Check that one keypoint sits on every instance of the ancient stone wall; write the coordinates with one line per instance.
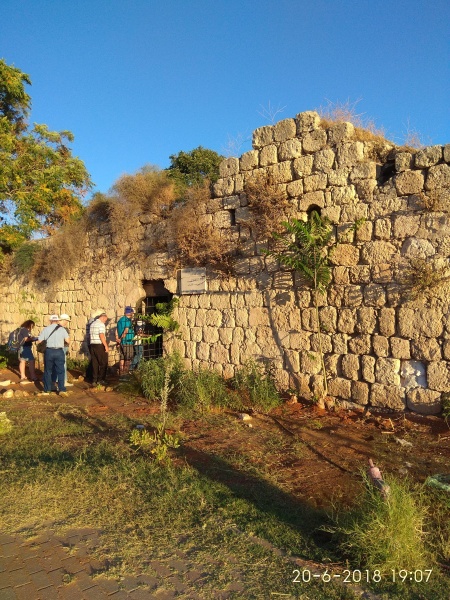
(388, 206)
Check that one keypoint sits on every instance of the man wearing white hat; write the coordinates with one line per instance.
(56, 337)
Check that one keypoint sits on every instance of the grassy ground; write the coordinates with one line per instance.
(228, 511)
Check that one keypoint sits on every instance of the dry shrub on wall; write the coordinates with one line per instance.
(149, 192)
(268, 203)
(194, 239)
(61, 253)
(425, 278)
(436, 200)
(365, 128)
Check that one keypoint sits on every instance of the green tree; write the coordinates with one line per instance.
(41, 183)
(191, 168)
(305, 247)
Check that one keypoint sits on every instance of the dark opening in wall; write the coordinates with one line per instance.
(312, 208)
(232, 212)
(155, 293)
(386, 172)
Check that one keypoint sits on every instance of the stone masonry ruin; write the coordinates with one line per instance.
(388, 205)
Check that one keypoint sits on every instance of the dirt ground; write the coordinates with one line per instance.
(319, 455)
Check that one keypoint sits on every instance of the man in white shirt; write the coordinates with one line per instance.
(99, 349)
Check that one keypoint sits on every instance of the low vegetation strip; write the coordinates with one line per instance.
(227, 512)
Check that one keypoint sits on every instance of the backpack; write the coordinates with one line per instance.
(14, 341)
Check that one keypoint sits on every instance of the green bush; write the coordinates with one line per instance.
(78, 364)
(201, 390)
(151, 373)
(8, 358)
(256, 387)
(385, 534)
(25, 257)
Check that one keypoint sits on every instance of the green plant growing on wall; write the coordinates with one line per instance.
(305, 247)
(161, 318)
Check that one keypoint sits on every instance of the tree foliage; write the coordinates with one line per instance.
(192, 168)
(41, 183)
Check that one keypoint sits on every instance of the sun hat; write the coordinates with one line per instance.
(97, 312)
(54, 318)
(64, 317)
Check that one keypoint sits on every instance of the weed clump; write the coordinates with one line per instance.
(385, 534)
(256, 387)
(202, 390)
(424, 278)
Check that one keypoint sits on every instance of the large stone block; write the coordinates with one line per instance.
(340, 132)
(350, 366)
(374, 295)
(282, 172)
(228, 167)
(409, 182)
(412, 323)
(263, 136)
(303, 166)
(424, 401)
(314, 141)
(427, 157)
(387, 371)
(438, 376)
(324, 160)
(284, 130)
(317, 181)
(366, 319)
(368, 368)
(345, 255)
(388, 396)
(307, 121)
(340, 388)
(360, 392)
(290, 149)
(400, 348)
(268, 155)
(377, 252)
(350, 153)
(346, 320)
(380, 345)
(249, 160)
(310, 362)
(438, 177)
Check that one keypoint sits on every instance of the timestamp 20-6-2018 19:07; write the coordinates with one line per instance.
(363, 575)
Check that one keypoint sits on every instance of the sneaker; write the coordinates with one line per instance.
(25, 381)
(69, 384)
(64, 394)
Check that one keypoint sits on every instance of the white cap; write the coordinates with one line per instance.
(54, 318)
(64, 317)
(97, 312)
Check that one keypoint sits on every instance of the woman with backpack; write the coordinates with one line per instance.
(26, 352)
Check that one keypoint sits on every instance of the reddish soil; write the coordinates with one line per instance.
(314, 454)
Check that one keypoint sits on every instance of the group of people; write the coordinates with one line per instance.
(56, 336)
(127, 340)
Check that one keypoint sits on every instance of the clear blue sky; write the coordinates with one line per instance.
(139, 80)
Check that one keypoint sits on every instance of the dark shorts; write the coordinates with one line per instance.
(126, 351)
(26, 353)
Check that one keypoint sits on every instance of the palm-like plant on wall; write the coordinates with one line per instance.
(305, 247)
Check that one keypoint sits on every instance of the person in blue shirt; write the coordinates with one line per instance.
(124, 338)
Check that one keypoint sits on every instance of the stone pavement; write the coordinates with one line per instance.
(61, 567)
(54, 567)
